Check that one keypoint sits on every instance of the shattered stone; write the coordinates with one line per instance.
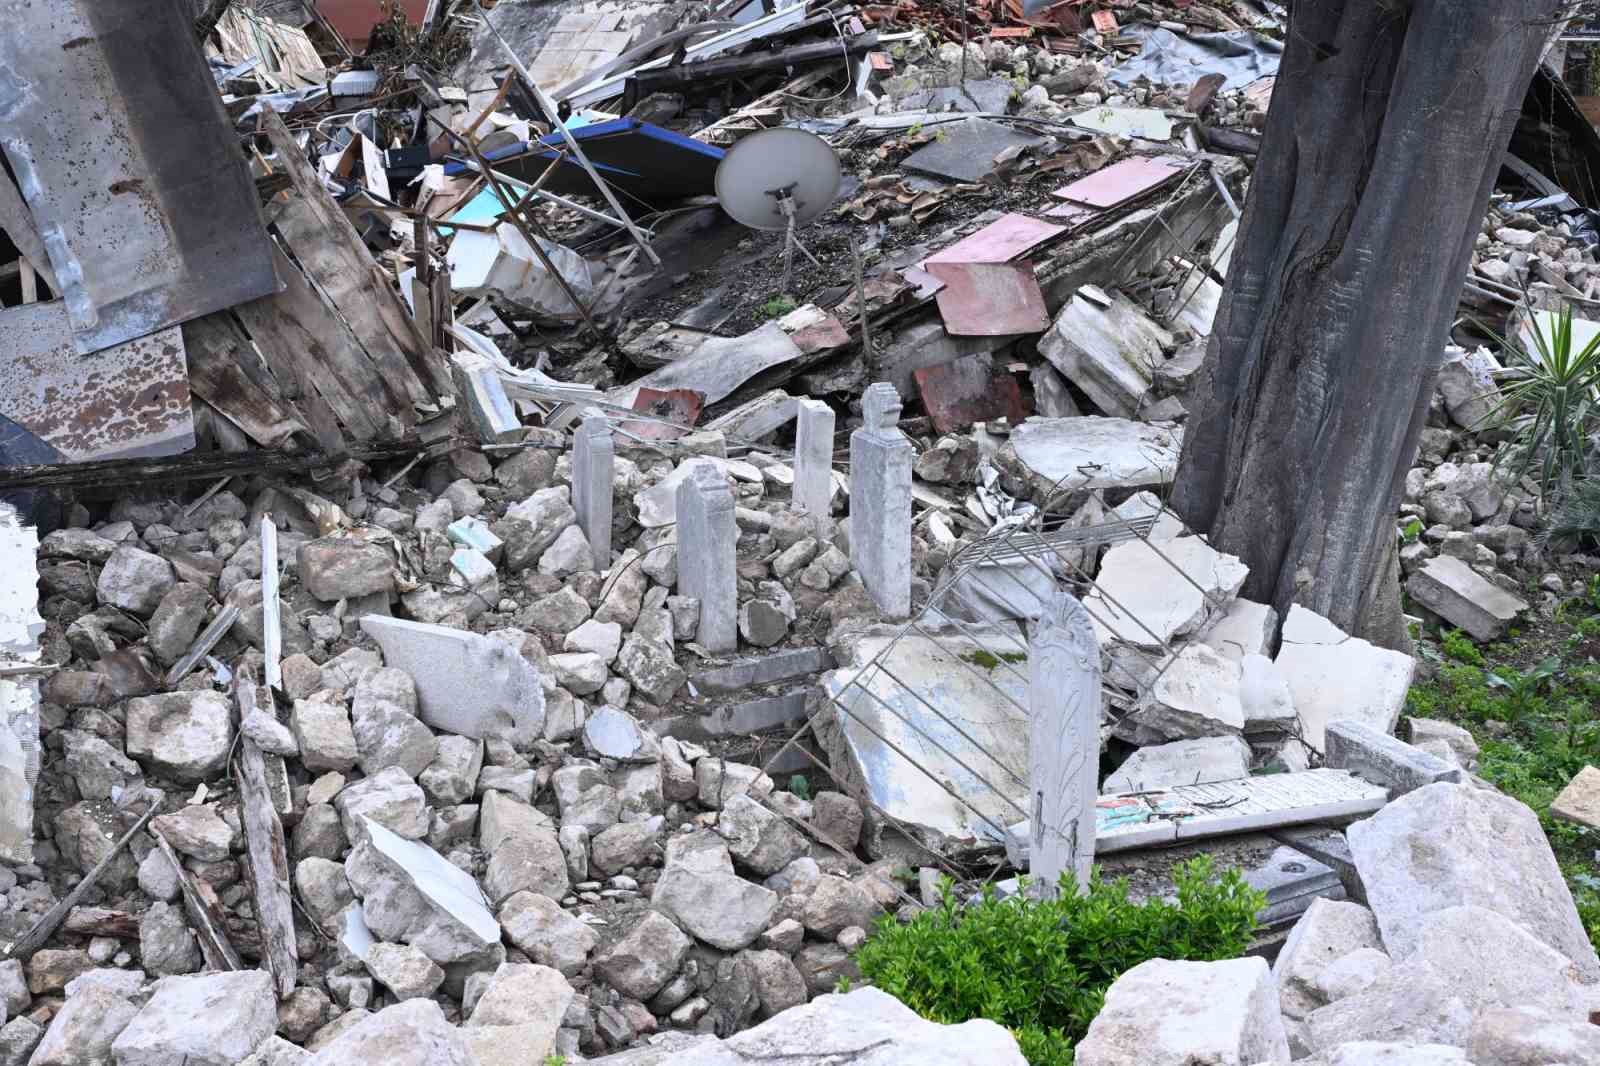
(213, 1019)
(167, 945)
(547, 934)
(1328, 931)
(323, 735)
(1528, 1033)
(389, 798)
(452, 776)
(412, 1033)
(134, 580)
(345, 567)
(176, 621)
(524, 851)
(403, 970)
(644, 960)
(1197, 695)
(613, 734)
(411, 894)
(758, 839)
(1165, 1013)
(1450, 845)
(195, 830)
(183, 735)
(624, 844)
(837, 904)
(83, 1030)
(712, 902)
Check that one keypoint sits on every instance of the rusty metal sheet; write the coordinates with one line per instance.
(679, 406)
(126, 401)
(990, 299)
(971, 389)
(1002, 240)
(137, 185)
(1121, 182)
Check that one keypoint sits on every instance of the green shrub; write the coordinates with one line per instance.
(1041, 967)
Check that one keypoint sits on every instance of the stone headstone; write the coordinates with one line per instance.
(1063, 741)
(880, 502)
(707, 557)
(813, 465)
(593, 461)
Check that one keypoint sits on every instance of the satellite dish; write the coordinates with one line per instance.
(778, 179)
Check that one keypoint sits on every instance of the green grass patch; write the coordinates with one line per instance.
(1041, 967)
(1537, 724)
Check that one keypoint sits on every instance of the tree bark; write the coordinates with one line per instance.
(1387, 126)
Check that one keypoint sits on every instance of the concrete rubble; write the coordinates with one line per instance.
(586, 634)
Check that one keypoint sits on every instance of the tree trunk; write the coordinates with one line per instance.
(1386, 130)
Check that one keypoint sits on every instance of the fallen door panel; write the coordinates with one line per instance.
(125, 401)
(138, 189)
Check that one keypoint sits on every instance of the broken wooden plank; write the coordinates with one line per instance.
(205, 914)
(328, 247)
(265, 853)
(318, 360)
(217, 375)
(35, 938)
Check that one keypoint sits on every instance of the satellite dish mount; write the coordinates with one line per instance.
(779, 179)
(786, 207)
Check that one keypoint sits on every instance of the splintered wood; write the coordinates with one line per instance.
(265, 851)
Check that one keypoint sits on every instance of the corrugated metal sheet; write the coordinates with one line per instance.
(125, 401)
(114, 129)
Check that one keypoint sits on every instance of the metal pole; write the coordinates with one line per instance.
(550, 109)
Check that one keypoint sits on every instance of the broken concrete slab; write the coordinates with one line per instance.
(1193, 812)
(1292, 881)
(1182, 762)
(1245, 628)
(1384, 759)
(1166, 1013)
(1110, 352)
(1047, 456)
(1146, 594)
(1197, 695)
(473, 685)
(952, 673)
(1334, 675)
(1467, 383)
(1447, 845)
(1455, 592)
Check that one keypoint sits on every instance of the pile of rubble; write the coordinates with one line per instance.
(448, 790)
(1465, 948)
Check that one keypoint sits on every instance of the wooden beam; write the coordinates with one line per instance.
(265, 852)
(35, 938)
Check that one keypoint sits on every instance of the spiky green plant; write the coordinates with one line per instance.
(1550, 411)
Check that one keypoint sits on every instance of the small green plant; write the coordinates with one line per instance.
(777, 307)
(554, 1060)
(800, 786)
(1041, 967)
(1523, 688)
(1458, 646)
(1552, 408)
(1411, 531)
